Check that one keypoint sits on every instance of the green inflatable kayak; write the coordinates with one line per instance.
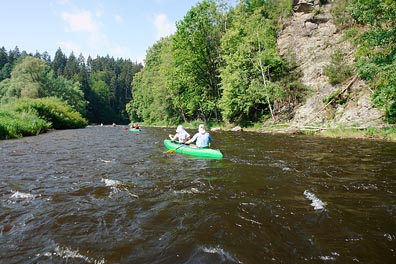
(134, 130)
(199, 152)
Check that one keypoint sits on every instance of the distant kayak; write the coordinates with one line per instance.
(134, 130)
(199, 152)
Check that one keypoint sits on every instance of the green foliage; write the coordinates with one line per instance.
(52, 110)
(5, 71)
(335, 97)
(152, 99)
(376, 57)
(33, 78)
(342, 19)
(338, 70)
(15, 124)
(195, 81)
(367, 69)
(23, 75)
(108, 88)
(252, 65)
(216, 60)
(102, 97)
(385, 91)
(390, 113)
(59, 63)
(388, 133)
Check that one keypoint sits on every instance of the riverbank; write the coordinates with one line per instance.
(383, 133)
(29, 117)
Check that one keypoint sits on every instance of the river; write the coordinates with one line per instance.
(106, 195)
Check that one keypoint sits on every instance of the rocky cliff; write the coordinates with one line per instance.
(311, 37)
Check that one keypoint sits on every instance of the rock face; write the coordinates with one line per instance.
(305, 6)
(311, 38)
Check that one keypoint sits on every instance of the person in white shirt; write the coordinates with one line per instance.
(202, 139)
(181, 135)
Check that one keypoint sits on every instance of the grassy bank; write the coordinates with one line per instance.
(387, 133)
(381, 133)
(28, 117)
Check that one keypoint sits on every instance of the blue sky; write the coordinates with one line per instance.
(118, 28)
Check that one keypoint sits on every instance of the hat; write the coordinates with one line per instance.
(201, 129)
(179, 129)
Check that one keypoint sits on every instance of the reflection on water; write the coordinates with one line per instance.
(105, 195)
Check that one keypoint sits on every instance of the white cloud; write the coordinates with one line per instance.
(70, 46)
(63, 2)
(81, 21)
(163, 26)
(92, 39)
(119, 19)
(100, 10)
(119, 51)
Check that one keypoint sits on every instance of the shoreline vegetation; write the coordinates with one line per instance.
(381, 133)
(30, 117)
(242, 74)
(14, 126)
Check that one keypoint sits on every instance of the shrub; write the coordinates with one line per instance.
(52, 110)
(338, 70)
(336, 97)
(18, 124)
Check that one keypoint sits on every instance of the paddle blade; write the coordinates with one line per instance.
(170, 151)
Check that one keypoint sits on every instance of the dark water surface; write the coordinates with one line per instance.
(106, 195)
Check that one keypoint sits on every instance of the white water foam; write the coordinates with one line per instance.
(21, 195)
(111, 183)
(117, 186)
(106, 161)
(390, 237)
(191, 191)
(316, 202)
(219, 251)
(68, 254)
(212, 250)
(333, 257)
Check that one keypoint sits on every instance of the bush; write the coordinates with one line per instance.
(53, 110)
(338, 71)
(336, 97)
(28, 117)
(390, 114)
(19, 124)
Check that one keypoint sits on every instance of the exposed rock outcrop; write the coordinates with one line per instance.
(237, 129)
(305, 6)
(311, 37)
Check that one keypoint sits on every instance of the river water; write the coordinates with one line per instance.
(106, 195)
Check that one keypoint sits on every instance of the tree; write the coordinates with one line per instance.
(251, 64)
(72, 67)
(101, 98)
(33, 78)
(3, 57)
(59, 62)
(151, 100)
(377, 51)
(196, 54)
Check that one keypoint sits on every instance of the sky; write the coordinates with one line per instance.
(118, 28)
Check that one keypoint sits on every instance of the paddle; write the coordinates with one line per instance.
(174, 150)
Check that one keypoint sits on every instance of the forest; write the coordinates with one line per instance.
(220, 66)
(38, 94)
